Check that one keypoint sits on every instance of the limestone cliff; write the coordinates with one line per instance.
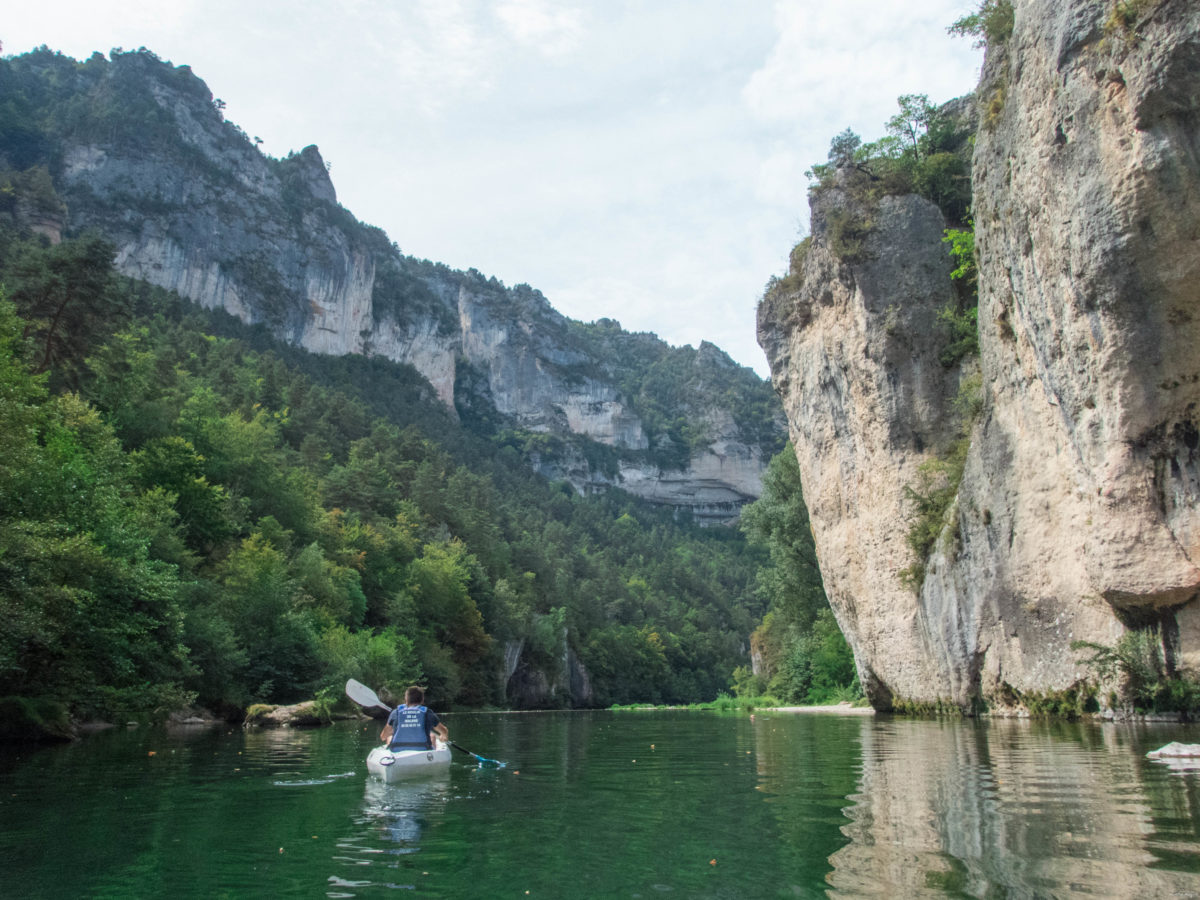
(1076, 516)
(140, 150)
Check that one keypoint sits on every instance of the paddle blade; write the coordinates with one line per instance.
(484, 762)
(363, 695)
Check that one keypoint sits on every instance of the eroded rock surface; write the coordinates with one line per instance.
(1076, 517)
(195, 208)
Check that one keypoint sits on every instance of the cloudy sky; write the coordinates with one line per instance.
(637, 159)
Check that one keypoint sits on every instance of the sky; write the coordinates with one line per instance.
(641, 160)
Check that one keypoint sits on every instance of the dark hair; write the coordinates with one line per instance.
(414, 695)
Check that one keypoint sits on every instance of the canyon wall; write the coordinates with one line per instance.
(1076, 516)
(193, 206)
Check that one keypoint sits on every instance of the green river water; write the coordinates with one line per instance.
(610, 804)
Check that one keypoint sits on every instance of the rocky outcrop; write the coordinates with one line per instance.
(194, 207)
(531, 687)
(299, 715)
(854, 348)
(1077, 516)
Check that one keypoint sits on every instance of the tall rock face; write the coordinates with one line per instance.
(854, 347)
(1076, 517)
(139, 149)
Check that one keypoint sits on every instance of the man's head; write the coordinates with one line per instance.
(414, 696)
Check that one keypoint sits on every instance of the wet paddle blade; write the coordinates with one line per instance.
(363, 695)
(484, 762)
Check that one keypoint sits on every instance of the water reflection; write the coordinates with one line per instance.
(397, 812)
(389, 824)
(613, 805)
(1014, 808)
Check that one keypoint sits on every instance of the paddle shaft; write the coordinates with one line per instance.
(482, 759)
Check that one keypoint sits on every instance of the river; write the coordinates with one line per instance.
(611, 804)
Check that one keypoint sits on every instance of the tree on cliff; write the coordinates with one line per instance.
(926, 151)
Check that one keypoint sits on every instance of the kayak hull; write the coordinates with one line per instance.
(395, 765)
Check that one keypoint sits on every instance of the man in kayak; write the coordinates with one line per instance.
(413, 725)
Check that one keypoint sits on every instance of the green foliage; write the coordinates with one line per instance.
(843, 149)
(259, 274)
(819, 668)
(66, 294)
(723, 703)
(26, 718)
(848, 232)
(32, 188)
(994, 107)
(990, 25)
(804, 658)
(1070, 703)
(790, 587)
(926, 151)
(746, 684)
(256, 712)
(91, 618)
(325, 701)
(630, 659)
(962, 248)
(963, 334)
(932, 502)
(1123, 21)
(797, 257)
(942, 707)
(1136, 662)
(402, 293)
(232, 521)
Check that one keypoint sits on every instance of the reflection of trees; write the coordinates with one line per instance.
(1009, 806)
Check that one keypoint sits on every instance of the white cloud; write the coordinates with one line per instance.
(853, 57)
(430, 56)
(551, 29)
(781, 180)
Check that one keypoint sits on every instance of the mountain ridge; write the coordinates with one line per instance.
(139, 149)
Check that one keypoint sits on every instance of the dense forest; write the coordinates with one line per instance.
(188, 518)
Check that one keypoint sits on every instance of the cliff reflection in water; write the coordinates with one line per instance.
(1007, 808)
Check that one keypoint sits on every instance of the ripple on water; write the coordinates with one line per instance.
(305, 782)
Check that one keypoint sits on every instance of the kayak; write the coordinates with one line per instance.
(393, 765)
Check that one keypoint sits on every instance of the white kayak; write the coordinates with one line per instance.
(393, 765)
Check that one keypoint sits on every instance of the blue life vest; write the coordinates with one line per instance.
(408, 729)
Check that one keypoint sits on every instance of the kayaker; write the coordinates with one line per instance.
(413, 725)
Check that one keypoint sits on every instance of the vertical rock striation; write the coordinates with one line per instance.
(1076, 517)
(854, 346)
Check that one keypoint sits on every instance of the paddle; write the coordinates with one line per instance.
(483, 760)
(364, 696)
